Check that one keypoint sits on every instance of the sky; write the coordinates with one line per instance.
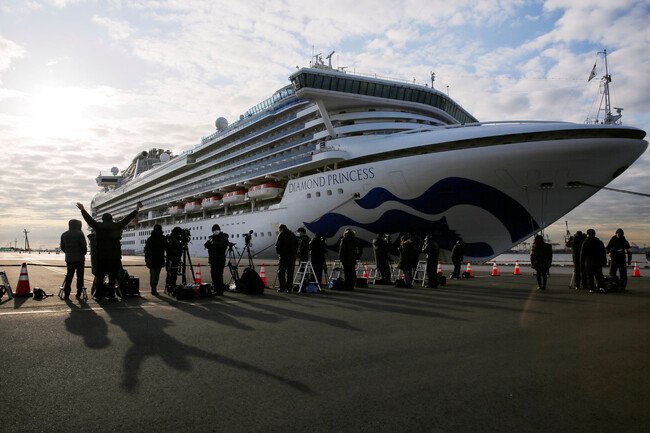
(86, 85)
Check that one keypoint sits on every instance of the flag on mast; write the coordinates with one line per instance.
(593, 73)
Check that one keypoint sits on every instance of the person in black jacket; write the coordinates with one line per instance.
(303, 245)
(217, 246)
(174, 250)
(457, 254)
(109, 249)
(381, 248)
(154, 256)
(318, 251)
(409, 255)
(592, 259)
(73, 244)
(286, 245)
(349, 252)
(617, 247)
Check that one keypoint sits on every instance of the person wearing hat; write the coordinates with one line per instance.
(74, 245)
(303, 245)
(616, 248)
(381, 248)
(217, 246)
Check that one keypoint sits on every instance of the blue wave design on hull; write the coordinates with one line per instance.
(439, 198)
(454, 191)
(394, 221)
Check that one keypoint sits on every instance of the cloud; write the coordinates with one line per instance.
(116, 29)
(9, 50)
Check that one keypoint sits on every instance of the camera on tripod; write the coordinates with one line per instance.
(247, 238)
(185, 237)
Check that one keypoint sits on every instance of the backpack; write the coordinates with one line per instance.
(250, 283)
(39, 294)
(336, 285)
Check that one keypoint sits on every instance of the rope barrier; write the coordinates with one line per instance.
(610, 189)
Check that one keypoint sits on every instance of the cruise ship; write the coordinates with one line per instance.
(334, 150)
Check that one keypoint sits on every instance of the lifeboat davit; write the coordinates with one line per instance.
(234, 197)
(192, 206)
(265, 191)
(176, 210)
(211, 202)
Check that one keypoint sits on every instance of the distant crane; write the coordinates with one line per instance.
(26, 241)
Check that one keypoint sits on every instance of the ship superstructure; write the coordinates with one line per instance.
(334, 150)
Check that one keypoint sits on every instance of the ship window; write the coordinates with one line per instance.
(310, 80)
(318, 81)
(255, 234)
(363, 88)
(262, 234)
(400, 93)
(270, 234)
(355, 87)
(329, 192)
(326, 83)
(386, 91)
(347, 86)
(340, 190)
(371, 89)
(317, 193)
(308, 195)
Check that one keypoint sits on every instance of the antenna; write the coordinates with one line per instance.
(433, 78)
(26, 241)
(329, 57)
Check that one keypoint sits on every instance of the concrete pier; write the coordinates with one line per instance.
(487, 354)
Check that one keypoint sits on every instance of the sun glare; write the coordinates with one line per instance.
(60, 112)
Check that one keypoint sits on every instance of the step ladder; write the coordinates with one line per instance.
(420, 273)
(84, 294)
(4, 286)
(395, 272)
(336, 269)
(305, 275)
(372, 273)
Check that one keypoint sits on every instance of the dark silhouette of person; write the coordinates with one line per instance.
(74, 245)
(286, 245)
(592, 259)
(109, 250)
(409, 255)
(303, 245)
(154, 256)
(457, 254)
(575, 243)
(318, 250)
(174, 251)
(617, 247)
(541, 257)
(217, 246)
(432, 250)
(381, 248)
(349, 252)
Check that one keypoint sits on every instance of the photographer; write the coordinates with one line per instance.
(381, 248)
(174, 250)
(217, 246)
(286, 245)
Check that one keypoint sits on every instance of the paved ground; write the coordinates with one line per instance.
(488, 354)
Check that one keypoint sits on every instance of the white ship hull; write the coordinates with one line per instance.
(491, 197)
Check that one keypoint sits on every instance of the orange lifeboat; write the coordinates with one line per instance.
(176, 210)
(265, 191)
(211, 202)
(192, 206)
(234, 197)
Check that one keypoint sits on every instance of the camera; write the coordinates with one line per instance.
(247, 237)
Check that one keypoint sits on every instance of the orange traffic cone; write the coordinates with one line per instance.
(469, 270)
(439, 271)
(495, 271)
(365, 270)
(22, 288)
(197, 277)
(637, 272)
(263, 275)
(517, 271)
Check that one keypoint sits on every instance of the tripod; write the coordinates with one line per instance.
(185, 260)
(232, 264)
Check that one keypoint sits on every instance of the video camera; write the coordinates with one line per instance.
(185, 237)
(247, 238)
